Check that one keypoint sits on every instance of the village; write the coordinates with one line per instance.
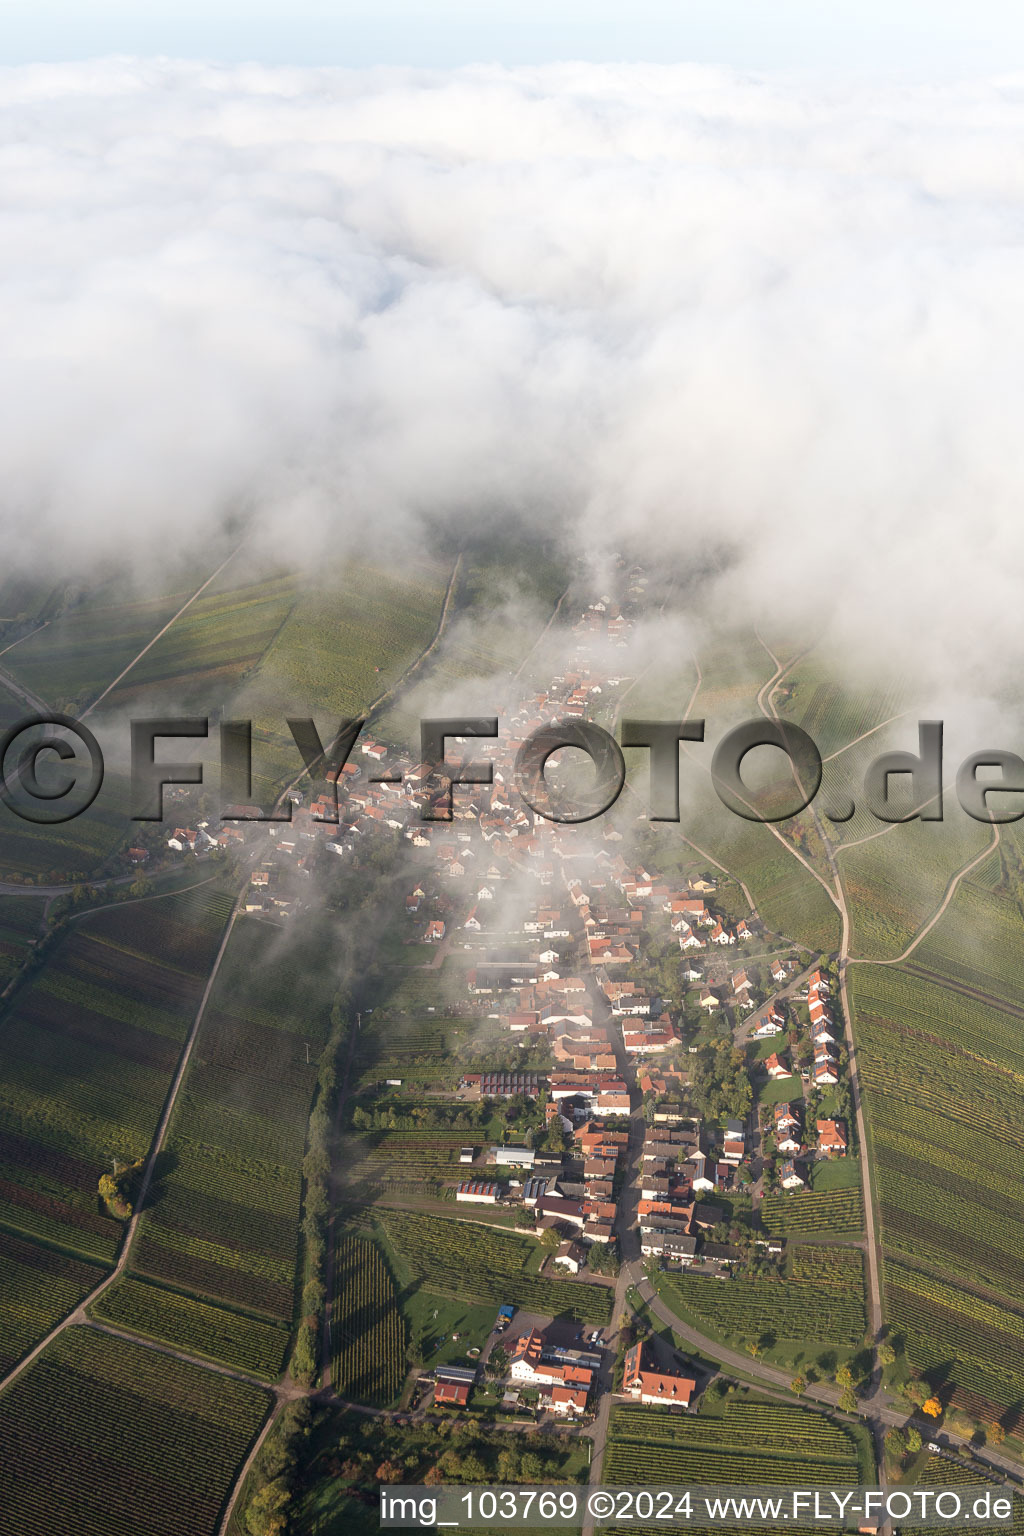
(662, 1050)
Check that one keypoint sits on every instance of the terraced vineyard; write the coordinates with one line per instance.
(89, 1047)
(38, 1288)
(82, 650)
(21, 920)
(807, 1212)
(377, 619)
(821, 1298)
(103, 1438)
(224, 1221)
(942, 1069)
(969, 1349)
(368, 1332)
(195, 1326)
(463, 1259)
(408, 1156)
(223, 635)
(413, 1049)
(750, 1443)
(942, 1472)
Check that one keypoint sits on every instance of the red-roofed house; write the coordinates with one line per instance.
(454, 1392)
(832, 1138)
(640, 1379)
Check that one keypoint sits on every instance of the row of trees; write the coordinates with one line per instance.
(316, 1167)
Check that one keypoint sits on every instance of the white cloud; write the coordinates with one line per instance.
(675, 307)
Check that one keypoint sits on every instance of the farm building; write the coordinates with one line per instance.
(477, 1191)
(454, 1393)
(512, 1157)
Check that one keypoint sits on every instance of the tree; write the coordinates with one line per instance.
(844, 1376)
(433, 1476)
(896, 1444)
(915, 1392)
(314, 1295)
(497, 1361)
(996, 1433)
(886, 1354)
(267, 1515)
(388, 1472)
(848, 1400)
(554, 1141)
(303, 1366)
(798, 1385)
(932, 1407)
(913, 1440)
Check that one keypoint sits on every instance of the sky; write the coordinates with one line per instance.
(910, 37)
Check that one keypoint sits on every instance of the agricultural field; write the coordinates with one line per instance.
(943, 1087)
(21, 926)
(395, 1162)
(71, 851)
(211, 648)
(89, 1046)
(347, 640)
(83, 648)
(194, 1326)
(223, 1223)
(968, 1349)
(368, 1331)
(942, 1070)
(820, 1298)
(896, 879)
(499, 612)
(942, 1472)
(38, 1287)
(416, 1048)
(835, 714)
(744, 1441)
(808, 1212)
(467, 1260)
(104, 1438)
(978, 945)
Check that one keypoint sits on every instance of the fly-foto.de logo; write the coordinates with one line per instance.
(52, 768)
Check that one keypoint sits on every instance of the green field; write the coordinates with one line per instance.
(71, 851)
(104, 1438)
(368, 1332)
(89, 1047)
(211, 648)
(223, 1223)
(968, 1349)
(473, 1262)
(942, 1472)
(349, 637)
(744, 1441)
(194, 1326)
(819, 1299)
(38, 1287)
(808, 1212)
(21, 926)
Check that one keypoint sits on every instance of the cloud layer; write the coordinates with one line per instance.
(672, 310)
